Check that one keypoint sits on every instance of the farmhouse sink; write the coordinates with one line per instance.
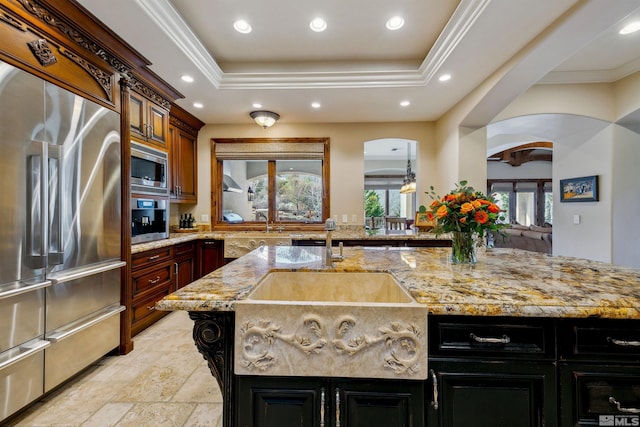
(236, 245)
(332, 324)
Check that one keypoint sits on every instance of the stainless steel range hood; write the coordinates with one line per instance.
(228, 184)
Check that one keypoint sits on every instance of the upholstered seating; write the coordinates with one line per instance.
(530, 238)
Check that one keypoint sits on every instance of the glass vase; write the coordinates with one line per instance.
(462, 248)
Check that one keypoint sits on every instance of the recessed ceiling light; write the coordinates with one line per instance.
(318, 25)
(405, 103)
(630, 28)
(444, 77)
(187, 78)
(257, 105)
(198, 104)
(395, 23)
(316, 105)
(242, 26)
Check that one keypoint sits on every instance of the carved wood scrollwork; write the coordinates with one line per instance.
(43, 53)
(213, 336)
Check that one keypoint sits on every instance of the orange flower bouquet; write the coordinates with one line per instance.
(464, 212)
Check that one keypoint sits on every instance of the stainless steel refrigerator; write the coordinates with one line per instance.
(60, 214)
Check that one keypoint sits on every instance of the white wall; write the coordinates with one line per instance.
(626, 198)
(583, 154)
(346, 154)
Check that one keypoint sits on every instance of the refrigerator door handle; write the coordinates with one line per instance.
(79, 273)
(37, 202)
(30, 349)
(24, 289)
(65, 333)
(54, 189)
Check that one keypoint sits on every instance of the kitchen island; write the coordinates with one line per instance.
(541, 340)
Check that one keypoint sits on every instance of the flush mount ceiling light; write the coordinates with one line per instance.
(264, 118)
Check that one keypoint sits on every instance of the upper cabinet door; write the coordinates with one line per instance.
(149, 121)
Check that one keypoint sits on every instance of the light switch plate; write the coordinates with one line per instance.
(354, 218)
(345, 218)
(204, 218)
(576, 219)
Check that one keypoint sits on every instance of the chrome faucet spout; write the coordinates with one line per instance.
(329, 227)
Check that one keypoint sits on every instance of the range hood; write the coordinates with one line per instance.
(228, 184)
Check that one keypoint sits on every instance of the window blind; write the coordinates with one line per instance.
(274, 150)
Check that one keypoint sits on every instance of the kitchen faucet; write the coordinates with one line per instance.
(329, 227)
(266, 224)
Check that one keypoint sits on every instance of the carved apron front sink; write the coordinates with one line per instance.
(331, 324)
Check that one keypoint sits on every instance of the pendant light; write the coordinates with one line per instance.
(409, 182)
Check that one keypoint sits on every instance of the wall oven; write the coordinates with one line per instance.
(148, 170)
(149, 219)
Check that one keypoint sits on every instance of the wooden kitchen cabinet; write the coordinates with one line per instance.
(599, 372)
(149, 106)
(264, 401)
(210, 256)
(151, 280)
(183, 155)
(148, 121)
(491, 372)
(184, 261)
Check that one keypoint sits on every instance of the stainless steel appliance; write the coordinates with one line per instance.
(149, 219)
(148, 170)
(60, 261)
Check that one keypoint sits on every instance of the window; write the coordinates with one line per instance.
(274, 180)
(527, 202)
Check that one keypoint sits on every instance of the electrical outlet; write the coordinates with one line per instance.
(204, 218)
(354, 218)
(345, 218)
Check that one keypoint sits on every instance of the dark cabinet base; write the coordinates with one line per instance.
(300, 402)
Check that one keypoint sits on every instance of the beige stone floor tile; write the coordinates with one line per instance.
(109, 415)
(206, 415)
(201, 386)
(164, 381)
(156, 415)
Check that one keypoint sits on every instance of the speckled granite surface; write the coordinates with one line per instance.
(359, 234)
(504, 282)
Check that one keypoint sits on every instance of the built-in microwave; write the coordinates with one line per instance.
(148, 170)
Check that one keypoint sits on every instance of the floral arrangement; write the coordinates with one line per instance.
(463, 210)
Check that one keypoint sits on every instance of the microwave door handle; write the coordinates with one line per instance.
(37, 201)
(54, 188)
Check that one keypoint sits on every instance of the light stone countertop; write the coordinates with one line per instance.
(504, 282)
(346, 234)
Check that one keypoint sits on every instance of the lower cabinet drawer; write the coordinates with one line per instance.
(142, 312)
(481, 337)
(600, 395)
(594, 340)
(149, 279)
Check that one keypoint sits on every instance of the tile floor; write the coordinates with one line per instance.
(164, 381)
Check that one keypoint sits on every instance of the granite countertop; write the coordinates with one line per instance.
(504, 282)
(346, 234)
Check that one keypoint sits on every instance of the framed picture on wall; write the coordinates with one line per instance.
(422, 221)
(583, 189)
